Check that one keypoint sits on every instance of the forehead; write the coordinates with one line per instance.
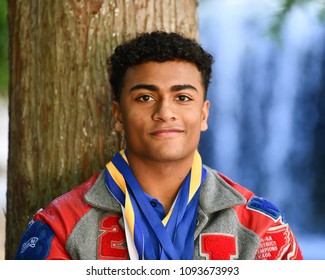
(164, 74)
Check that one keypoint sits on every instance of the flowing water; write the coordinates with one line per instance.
(266, 123)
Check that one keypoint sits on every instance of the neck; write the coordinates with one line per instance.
(161, 180)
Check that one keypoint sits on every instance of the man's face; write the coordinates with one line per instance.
(162, 110)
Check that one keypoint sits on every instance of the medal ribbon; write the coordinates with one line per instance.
(170, 238)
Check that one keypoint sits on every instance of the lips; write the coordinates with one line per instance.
(167, 132)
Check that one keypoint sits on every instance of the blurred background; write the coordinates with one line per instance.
(267, 117)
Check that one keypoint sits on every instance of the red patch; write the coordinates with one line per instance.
(218, 246)
(112, 242)
(278, 243)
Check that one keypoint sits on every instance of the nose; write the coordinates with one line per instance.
(164, 111)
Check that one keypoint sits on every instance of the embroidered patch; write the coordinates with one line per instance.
(36, 242)
(266, 207)
(111, 242)
(214, 246)
(275, 243)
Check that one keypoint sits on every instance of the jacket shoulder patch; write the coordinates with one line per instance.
(36, 242)
(265, 207)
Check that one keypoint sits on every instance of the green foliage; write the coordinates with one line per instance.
(322, 11)
(286, 6)
(4, 67)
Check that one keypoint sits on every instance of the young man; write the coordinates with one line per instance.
(155, 199)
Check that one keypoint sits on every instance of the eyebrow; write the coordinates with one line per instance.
(155, 88)
(182, 87)
(144, 86)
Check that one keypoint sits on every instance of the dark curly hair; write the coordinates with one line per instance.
(158, 46)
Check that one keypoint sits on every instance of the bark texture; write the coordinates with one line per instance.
(60, 124)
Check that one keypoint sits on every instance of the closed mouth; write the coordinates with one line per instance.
(167, 132)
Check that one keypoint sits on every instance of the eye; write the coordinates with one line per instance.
(144, 98)
(183, 98)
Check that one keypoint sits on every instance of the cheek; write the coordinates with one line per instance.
(133, 122)
(194, 127)
(195, 119)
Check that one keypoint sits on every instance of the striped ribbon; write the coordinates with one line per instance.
(153, 238)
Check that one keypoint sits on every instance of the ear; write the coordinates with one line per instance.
(117, 114)
(205, 115)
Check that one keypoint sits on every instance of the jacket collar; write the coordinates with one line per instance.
(100, 197)
(215, 195)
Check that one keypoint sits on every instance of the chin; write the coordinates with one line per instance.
(167, 155)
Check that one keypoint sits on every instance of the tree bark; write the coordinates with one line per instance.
(60, 124)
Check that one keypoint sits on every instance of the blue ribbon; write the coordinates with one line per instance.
(152, 239)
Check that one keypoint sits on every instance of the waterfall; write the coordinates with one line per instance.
(265, 95)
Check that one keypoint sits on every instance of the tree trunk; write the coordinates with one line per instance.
(60, 124)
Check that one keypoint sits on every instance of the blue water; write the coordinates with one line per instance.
(262, 115)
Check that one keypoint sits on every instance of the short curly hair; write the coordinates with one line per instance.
(157, 46)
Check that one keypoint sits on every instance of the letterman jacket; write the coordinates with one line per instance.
(232, 223)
